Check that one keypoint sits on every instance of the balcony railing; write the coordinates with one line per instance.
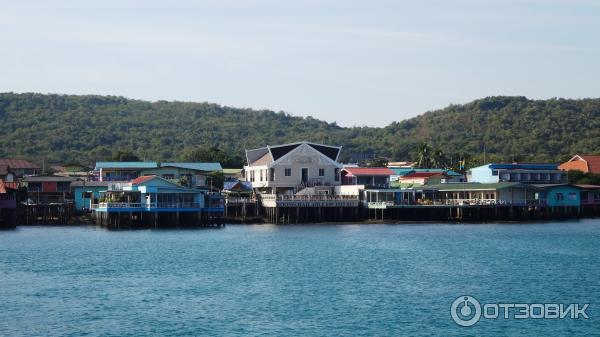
(458, 202)
(137, 205)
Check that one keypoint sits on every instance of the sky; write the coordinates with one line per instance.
(351, 62)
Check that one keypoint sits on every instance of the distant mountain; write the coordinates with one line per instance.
(66, 128)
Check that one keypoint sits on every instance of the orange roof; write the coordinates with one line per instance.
(593, 163)
(2, 188)
(142, 179)
(369, 171)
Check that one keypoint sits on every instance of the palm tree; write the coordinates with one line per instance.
(424, 155)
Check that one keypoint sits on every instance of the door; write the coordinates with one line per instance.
(305, 174)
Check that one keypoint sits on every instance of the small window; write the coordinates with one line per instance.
(572, 196)
(261, 175)
(321, 172)
(288, 172)
(336, 174)
(560, 196)
(494, 172)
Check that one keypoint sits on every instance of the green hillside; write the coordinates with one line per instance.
(66, 128)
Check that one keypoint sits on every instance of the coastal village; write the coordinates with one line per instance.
(300, 182)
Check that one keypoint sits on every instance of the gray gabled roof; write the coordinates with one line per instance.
(269, 154)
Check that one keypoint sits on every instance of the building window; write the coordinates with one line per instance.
(271, 174)
(321, 172)
(336, 174)
(560, 196)
(494, 172)
(572, 196)
(261, 175)
(288, 172)
(168, 176)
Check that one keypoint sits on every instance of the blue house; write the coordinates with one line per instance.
(87, 193)
(560, 195)
(519, 173)
(153, 199)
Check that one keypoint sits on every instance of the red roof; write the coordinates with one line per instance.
(422, 175)
(369, 171)
(142, 179)
(593, 163)
(17, 163)
(2, 188)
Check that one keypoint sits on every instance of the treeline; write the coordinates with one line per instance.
(69, 128)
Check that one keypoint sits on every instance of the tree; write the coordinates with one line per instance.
(123, 155)
(378, 162)
(424, 155)
(216, 180)
(212, 154)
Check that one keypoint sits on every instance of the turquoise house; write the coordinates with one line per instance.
(86, 193)
(560, 195)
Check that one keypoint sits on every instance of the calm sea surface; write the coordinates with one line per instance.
(312, 280)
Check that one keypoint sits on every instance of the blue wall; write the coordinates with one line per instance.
(563, 196)
(80, 203)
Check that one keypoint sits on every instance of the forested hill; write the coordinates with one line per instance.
(68, 128)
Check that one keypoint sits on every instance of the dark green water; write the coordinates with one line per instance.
(312, 280)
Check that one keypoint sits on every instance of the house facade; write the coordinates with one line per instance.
(583, 163)
(369, 176)
(48, 189)
(188, 174)
(422, 178)
(519, 173)
(285, 169)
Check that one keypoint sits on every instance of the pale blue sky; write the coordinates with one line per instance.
(353, 62)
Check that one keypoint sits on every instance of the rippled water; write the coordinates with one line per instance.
(312, 280)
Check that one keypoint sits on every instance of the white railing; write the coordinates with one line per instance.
(457, 202)
(173, 205)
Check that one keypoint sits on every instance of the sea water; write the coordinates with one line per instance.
(308, 280)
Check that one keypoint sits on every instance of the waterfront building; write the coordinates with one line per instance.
(48, 189)
(520, 173)
(153, 200)
(237, 188)
(12, 169)
(87, 193)
(589, 199)
(8, 206)
(559, 195)
(583, 163)
(288, 168)
(451, 176)
(122, 171)
(188, 174)
(369, 176)
(503, 193)
(422, 178)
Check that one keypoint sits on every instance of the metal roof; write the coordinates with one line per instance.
(523, 166)
(476, 186)
(209, 167)
(18, 163)
(32, 179)
(369, 171)
(126, 164)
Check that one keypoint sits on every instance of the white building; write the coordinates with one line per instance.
(285, 169)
